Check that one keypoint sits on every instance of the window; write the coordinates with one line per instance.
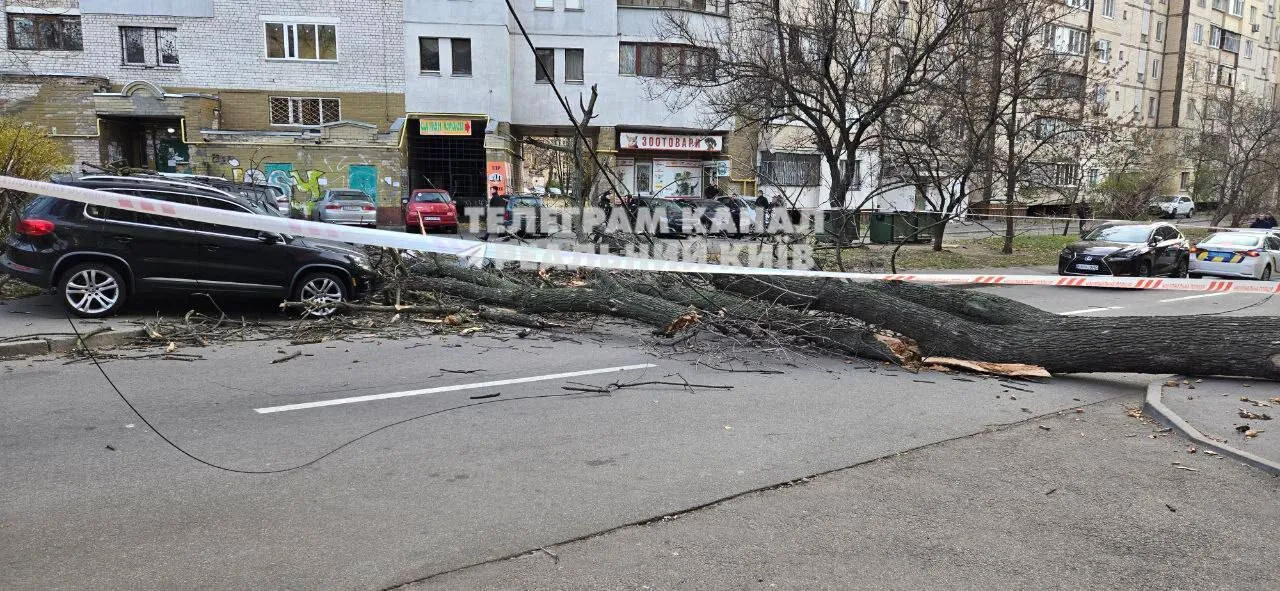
(1095, 176)
(1195, 70)
(1226, 76)
(544, 67)
(1184, 181)
(1155, 69)
(656, 60)
(1103, 50)
(45, 32)
(791, 170)
(627, 59)
(304, 111)
(460, 50)
(543, 5)
(1109, 8)
(1078, 4)
(1065, 39)
(429, 55)
(1220, 5)
(1237, 7)
(1224, 39)
(136, 45)
(1159, 30)
(1248, 49)
(1065, 175)
(301, 41)
(1151, 107)
(573, 4)
(573, 65)
(1197, 34)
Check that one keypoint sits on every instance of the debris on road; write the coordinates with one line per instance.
(1045, 427)
(483, 396)
(293, 355)
(984, 367)
(1245, 414)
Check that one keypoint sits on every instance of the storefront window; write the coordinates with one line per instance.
(644, 174)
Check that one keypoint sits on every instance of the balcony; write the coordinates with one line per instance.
(720, 7)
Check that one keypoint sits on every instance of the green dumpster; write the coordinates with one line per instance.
(882, 227)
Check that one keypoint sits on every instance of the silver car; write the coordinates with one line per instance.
(350, 207)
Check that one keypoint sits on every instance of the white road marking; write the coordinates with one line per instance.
(1087, 310)
(1195, 297)
(453, 388)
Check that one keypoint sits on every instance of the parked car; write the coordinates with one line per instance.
(432, 209)
(1172, 206)
(1248, 254)
(1125, 248)
(272, 195)
(672, 210)
(350, 207)
(97, 258)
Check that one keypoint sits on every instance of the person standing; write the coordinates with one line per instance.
(1083, 212)
(764, 210)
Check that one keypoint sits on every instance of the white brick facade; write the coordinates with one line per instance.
(228, 51)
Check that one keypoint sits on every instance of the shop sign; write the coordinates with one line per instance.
(444, 127)
(663, 141)
(497, 176)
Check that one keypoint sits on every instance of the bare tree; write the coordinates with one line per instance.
(1236, 149)
(832, 67)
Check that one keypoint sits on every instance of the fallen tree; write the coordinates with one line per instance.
(891, 321)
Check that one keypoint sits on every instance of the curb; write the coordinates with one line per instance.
(62, 344)
(1155, 406)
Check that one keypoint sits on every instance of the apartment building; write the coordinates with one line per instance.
(475, 88)
(305, 95)
(1158, 63)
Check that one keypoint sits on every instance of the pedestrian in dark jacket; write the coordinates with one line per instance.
(1084, 212)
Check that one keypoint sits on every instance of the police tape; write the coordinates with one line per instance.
(478, 251)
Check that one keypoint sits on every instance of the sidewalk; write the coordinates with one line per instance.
(1077, 501)
(1214, 407)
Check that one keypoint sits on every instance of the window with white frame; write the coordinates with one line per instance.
(1223, 39)
(301, 41)
(573, 4)
(1159, 30)
(1103, 50)
(544, 5)
(573, 65)
(1155, 69)
(1195, 70)
(1237, 7)
(148, 46)
(1197, 34)
(657, 60)
(304, 111)
(1220, 5)
(1067, 40)
(1078, 4)
(791, 170)
(429, 55)
(1109, 8)
(1248, 49)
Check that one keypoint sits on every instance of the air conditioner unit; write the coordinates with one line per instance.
(1256, 28)
(1144, 38)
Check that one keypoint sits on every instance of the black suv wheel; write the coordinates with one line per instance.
(320, 291)
(92, 290)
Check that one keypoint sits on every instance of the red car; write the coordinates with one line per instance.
(433, 209)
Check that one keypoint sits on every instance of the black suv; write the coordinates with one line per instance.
(97, 257)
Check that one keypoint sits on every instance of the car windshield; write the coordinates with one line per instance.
(1232, 239)
(1133, 234)
(430, 198)
(527, 202)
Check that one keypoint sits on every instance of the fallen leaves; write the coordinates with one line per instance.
(1255, 416)
(1021, 370)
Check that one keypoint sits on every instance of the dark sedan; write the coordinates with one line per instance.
(1138, 250)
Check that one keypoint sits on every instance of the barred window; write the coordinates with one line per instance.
(304, 111)
(791, 170)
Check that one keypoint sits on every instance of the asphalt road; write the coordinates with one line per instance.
(91, 498)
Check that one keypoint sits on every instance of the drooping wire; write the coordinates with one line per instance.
(97, 364)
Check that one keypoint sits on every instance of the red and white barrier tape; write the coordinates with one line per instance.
(475, 250)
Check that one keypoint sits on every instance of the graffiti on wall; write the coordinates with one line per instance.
(313, 184)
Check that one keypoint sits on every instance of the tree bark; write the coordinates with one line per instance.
(983, 328)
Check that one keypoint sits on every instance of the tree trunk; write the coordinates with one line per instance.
(945, 325)
(938, 231)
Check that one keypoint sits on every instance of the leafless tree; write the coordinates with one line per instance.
(1236, 148)
(832, 67)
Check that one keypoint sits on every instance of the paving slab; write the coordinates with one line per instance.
(1213, 407)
